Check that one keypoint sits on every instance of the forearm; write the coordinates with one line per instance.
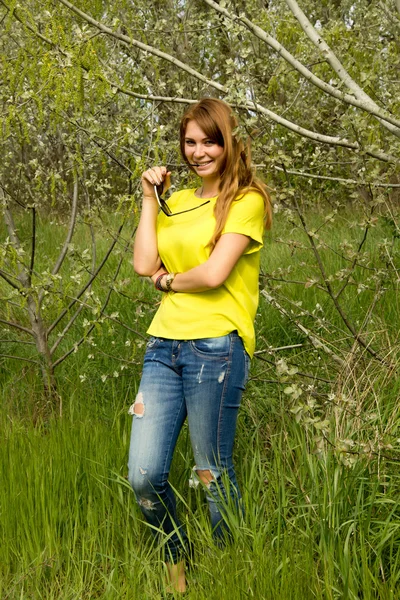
(198, 279)
(146, 260)
(213, 272)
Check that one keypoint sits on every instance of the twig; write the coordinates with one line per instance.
(7, 278)
(268, 350)
(88, 283)
(335, 301)
(368, 106)
(338, 179)
(337, 66)
(70, 231)
(30, 360)
(316, 342)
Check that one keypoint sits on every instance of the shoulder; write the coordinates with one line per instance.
(249, 203)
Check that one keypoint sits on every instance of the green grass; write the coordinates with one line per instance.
(319, 470)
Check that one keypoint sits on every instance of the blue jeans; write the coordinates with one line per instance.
(202, 380)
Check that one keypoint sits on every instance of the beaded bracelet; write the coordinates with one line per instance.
(168, 281)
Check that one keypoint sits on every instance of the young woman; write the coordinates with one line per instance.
(202, 252)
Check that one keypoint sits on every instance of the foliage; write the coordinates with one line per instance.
(91, 99)
(92, 94)
(317, 458)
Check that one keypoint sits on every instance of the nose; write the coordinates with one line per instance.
(198, 151)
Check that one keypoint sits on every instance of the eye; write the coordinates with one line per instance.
(210, 143)
(189, 142)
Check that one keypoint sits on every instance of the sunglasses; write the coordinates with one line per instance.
(159, 191)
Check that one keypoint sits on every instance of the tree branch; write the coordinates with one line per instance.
(23, 276)
(7, 278)
(70, 231)
(338, 179)
(332, 294)
(89, 282)
(17, 326)
(336, 65)
(316, 342)
(33, 244)
(144, 47)
(302, 69)
(36, 362)
(317, 137)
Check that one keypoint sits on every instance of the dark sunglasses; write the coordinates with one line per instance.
(159, 190)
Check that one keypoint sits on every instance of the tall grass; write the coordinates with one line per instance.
(319, 472)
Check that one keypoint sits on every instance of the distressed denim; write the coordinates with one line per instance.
(201, 380)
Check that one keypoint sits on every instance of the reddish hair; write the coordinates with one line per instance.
(237, 176)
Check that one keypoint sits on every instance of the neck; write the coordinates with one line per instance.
(209, 189)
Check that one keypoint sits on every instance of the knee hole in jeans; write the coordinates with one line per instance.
(205, 476)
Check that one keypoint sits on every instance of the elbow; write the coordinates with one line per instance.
(215, 279)
(141, 269)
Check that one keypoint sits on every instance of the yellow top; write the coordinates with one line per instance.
(182, 245)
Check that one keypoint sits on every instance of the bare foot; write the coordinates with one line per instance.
(176, 577)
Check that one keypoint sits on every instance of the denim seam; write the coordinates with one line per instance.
(209, 356)
(227, 373)
(176, 418)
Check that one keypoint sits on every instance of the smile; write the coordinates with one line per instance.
(203, 164)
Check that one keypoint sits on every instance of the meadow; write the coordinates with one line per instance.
(317, 449)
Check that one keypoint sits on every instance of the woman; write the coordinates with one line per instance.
(202, 251)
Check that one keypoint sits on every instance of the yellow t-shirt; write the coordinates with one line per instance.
(182, 245)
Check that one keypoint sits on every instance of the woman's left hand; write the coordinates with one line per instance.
(161, 270)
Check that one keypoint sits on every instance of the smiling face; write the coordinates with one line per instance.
(202, 152)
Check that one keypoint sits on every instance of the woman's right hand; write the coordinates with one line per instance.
(155, 176)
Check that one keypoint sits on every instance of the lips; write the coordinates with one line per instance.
(203, 164)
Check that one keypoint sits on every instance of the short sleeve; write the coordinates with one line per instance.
(246, 216)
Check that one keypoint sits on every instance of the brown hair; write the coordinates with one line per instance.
(237, 176)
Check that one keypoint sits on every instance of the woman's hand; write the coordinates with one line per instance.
(159, 272)
(155, 176)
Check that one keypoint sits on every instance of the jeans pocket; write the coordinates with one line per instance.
(152, 342)
(216, 347)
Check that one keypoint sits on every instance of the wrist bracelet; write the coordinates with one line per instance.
(168, 281)
(157, 283)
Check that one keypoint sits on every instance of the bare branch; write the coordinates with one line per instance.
(278, 349)
(355, 260)
(33, 244)
(145, 47)
(89, 282)
(16, 326)
(316, 342)
(331, 292)
(338, 179)
(17, 342)
(23, 276)
(68, 326)
(317, 137)
(70, 231)
(36, 362)
(302, 69)
(6, 277)
(336, 65)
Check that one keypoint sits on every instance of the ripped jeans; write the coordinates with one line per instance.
(202, 380)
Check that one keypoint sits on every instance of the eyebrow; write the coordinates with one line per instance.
(189, 139)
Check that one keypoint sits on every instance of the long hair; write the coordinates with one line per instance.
(237, 176)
